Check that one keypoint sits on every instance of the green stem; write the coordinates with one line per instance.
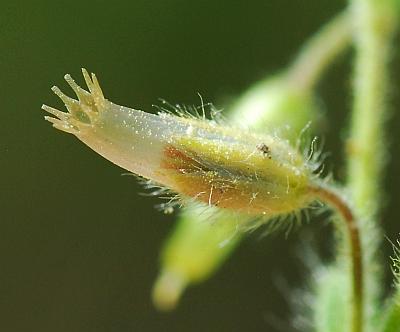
(333, 199)
(374, 22)
(320, 51)
(288, 98)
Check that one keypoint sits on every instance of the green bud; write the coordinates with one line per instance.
(276, 105)
(195, 248)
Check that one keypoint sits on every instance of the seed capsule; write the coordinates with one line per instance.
(223, 166)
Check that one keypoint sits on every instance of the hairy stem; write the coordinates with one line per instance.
(374, 24)
(334, 200)
(320, 51)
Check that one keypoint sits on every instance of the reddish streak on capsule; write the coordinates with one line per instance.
(177, 160)
(194, 179)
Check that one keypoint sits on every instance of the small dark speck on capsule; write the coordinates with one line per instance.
(264, 149)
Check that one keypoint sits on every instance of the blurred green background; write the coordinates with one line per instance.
(78, 245)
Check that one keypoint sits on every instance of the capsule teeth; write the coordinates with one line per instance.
(67, 129)
(62, 125)
(68, 101)
(53, 120)
(97, 87)
(88, 80)
(83, 96)
(74, 107)
(82, 112)
(62, 122)
(94, 88)
(61, 115)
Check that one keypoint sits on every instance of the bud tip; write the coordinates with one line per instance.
(167, 290)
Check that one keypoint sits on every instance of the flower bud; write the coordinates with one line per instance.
(193, 250)
(275, 104)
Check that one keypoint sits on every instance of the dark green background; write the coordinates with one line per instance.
(78, 245)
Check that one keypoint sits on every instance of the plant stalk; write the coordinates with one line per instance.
(335, 201)
(374, 23)
(320, 51)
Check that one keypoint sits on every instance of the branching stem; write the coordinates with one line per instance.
(333, 199)
(320, 51)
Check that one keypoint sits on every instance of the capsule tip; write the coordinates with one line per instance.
(82, 112)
